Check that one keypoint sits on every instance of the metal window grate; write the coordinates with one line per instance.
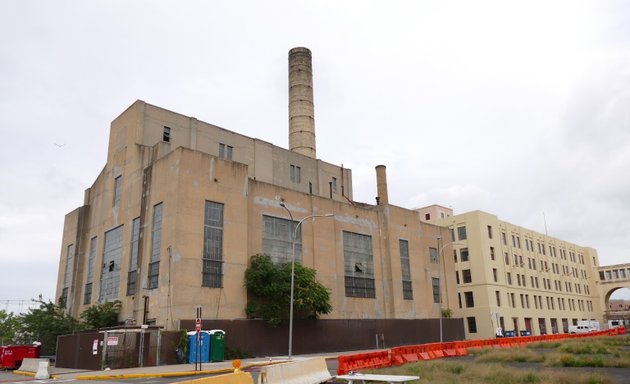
(435, 284)
(87, 294)
(154, 274)
(132, 278)
(406, 270)
(407, 290)
(156, 232)
(67, 276)
(212, 274)
(359, 287)
(212, 267)
(358, 265)
(276, 238)
(110, 271)
(91, 260)
(63, 300)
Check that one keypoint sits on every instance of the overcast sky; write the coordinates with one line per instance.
(517, 108)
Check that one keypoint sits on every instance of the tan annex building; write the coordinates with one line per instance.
(516, 279)
(181, 205)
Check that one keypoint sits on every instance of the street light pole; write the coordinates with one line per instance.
(293, 235)
(441, 282)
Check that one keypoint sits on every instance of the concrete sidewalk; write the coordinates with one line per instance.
(178, 370)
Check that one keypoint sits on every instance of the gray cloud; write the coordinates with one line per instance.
(515, 109)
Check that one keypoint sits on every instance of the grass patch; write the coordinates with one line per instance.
(619, 341)
(449, 372)
(544, 345)
(615, 360)
(581, 361)
(501, 365)
(508, 355)
(586, 349)
(592, 352)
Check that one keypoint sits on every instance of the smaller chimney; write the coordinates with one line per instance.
(381, 185)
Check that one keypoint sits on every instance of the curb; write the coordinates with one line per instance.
(23, 373)
(31, 374)
(170, 374)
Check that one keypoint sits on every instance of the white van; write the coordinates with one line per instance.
(584, 326)
(579, 329)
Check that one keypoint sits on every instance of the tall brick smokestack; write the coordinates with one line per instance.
(301, 108)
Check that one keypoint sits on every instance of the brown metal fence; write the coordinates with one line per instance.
(128, 348)
(256, 338)
(118, 348)
(131, 347)
(80, 350)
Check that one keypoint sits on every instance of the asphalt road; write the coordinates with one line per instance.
(619, 375)
(10, 378)
(6, 377)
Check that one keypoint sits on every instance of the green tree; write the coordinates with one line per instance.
(101, 315)
(8, 326)
(44, 324)
(269, 290)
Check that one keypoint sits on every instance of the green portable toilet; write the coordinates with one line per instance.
(217, 345)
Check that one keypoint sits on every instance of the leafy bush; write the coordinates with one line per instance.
(269, 287)
(101, 315)
(8, 326)
(44, 324)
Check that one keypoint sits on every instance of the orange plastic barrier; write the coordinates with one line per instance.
(461, 348)
(406, 354)
(377, 359)
(424, 353)
(410, 353)
(435, 350)
(492, 343)
(521, 341)
(449, 349)
(618, 330)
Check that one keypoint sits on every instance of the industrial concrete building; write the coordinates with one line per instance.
(181, 205)
(513, 278)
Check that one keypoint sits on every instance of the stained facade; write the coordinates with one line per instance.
(181, 205)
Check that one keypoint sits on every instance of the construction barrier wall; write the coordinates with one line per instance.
(410, 353)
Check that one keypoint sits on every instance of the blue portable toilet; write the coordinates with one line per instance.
(203, 354)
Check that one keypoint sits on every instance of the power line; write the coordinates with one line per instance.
(17, 306)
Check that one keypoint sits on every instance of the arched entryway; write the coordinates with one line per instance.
(614, 288)
(617, 306)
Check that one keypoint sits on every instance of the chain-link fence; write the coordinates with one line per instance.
(119, 348)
